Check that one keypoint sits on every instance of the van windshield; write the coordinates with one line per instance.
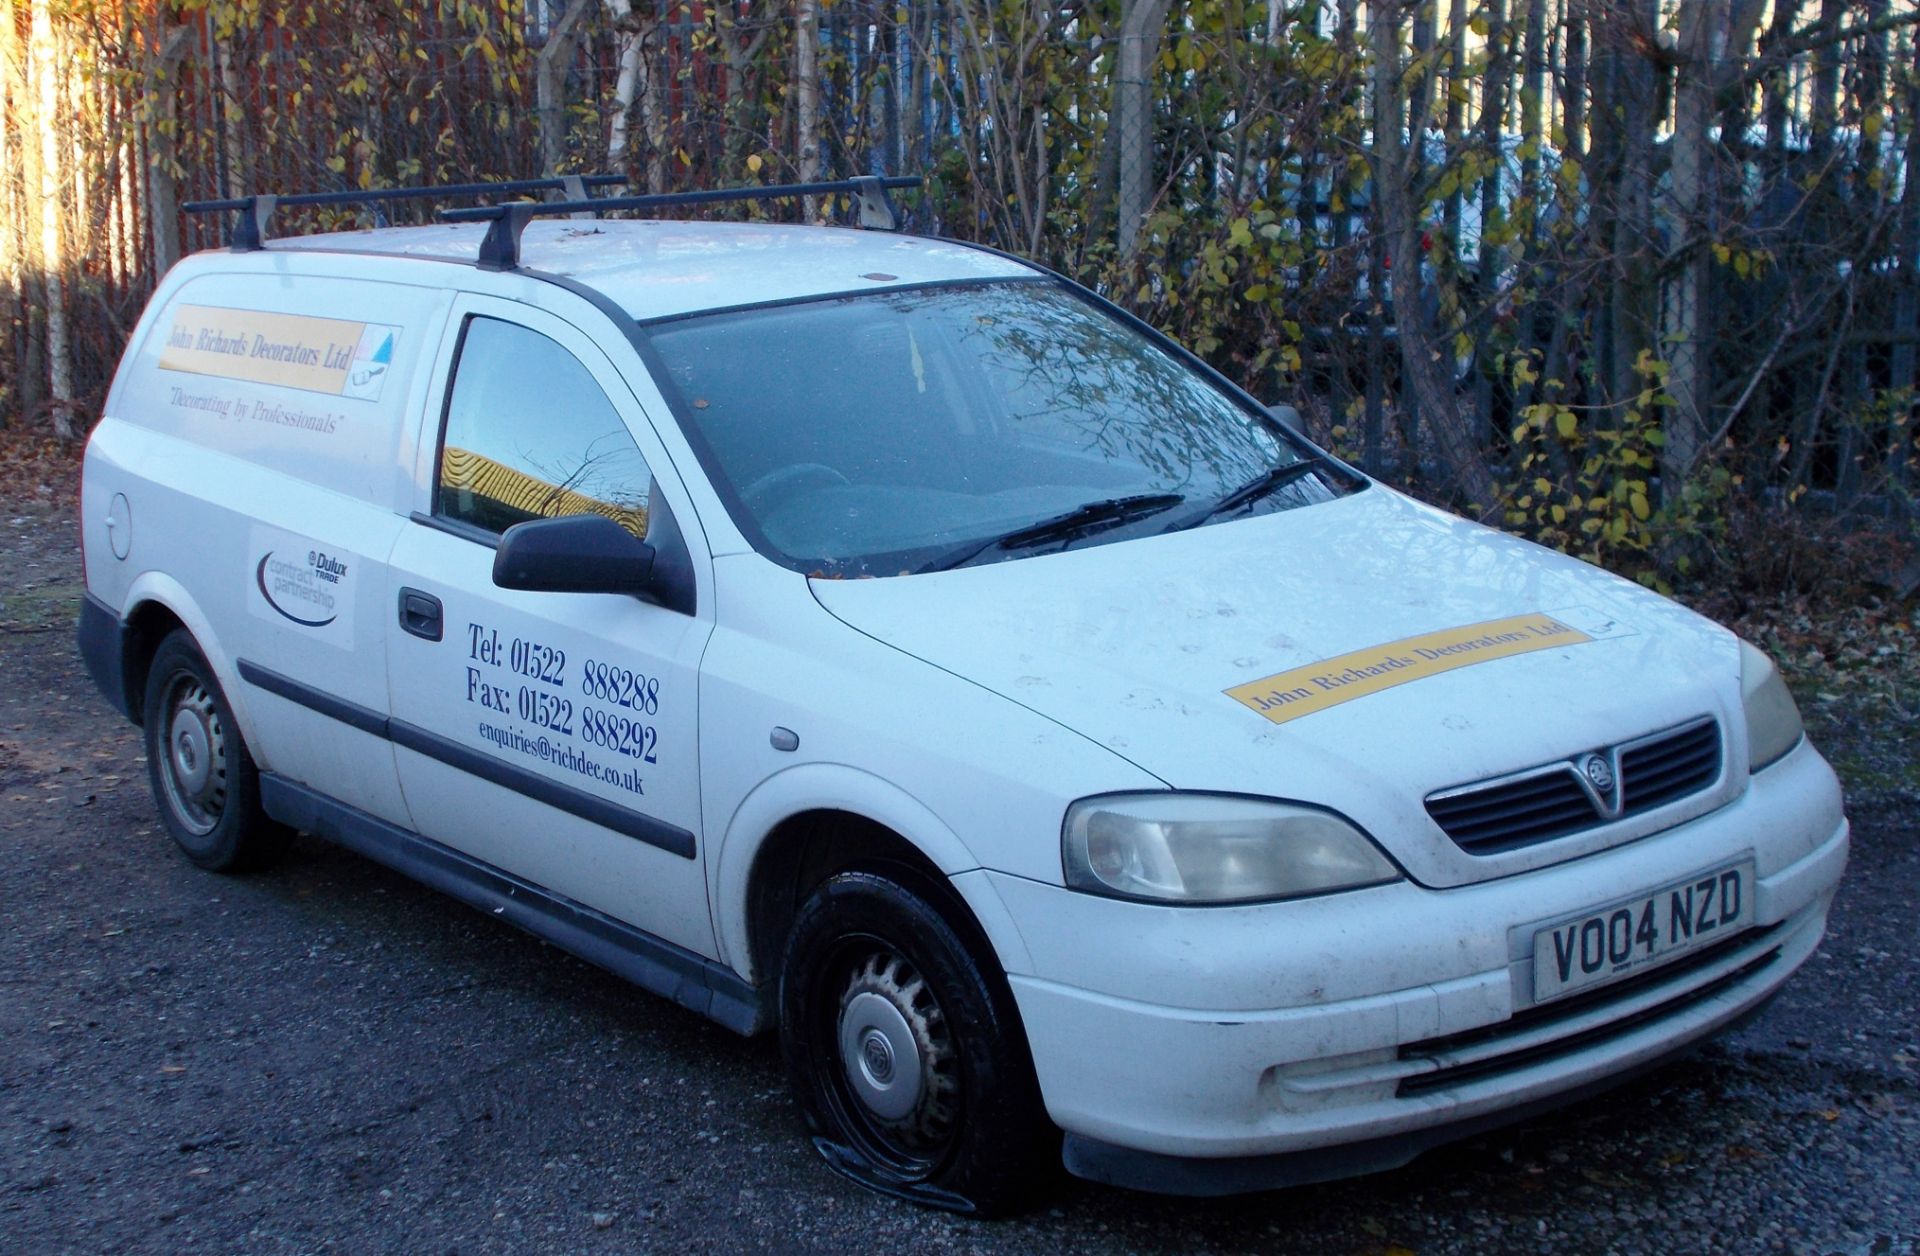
(922, 428)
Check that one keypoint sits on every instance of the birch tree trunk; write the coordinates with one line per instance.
(806, 90)
(166, 50)
(1632, 92)
(234, 114)
(1702, 27)
(1906, 313)
(1142, 24)
(654, 104)
(1826, 81)
(30, 380)
(886, 98)
(127, 249)
(743, 112)
(550, 84)
(46, 91)
(12, 276)
(626, 34)
(1573, 94)
(1493, 99)
(1423, 368)
(1455, 118)
(920, 80)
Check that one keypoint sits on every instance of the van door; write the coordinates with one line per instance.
(552, 735)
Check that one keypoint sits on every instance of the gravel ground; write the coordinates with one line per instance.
(329, 1057)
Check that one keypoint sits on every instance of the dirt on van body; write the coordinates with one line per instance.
(328, 1056)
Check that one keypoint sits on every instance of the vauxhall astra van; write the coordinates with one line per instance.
(886, 643)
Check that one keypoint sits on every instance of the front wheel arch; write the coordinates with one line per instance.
(805, 849)
(801, 802)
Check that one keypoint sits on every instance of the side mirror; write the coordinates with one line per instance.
(575, 554)
(1288, 417)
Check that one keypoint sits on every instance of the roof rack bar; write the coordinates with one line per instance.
(501, 248)
(250, 228)
(256, 212)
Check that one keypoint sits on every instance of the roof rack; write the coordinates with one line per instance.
(501, 249)
(256, 212)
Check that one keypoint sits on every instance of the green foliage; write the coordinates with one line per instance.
(1544, 250)
(1583, 484)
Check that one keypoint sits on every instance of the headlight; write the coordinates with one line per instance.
(1773, 721)
(1214, 848)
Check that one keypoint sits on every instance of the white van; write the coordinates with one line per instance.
(887, 642)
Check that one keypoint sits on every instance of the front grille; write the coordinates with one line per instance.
(1553, 800)
(1474, 1041)
(1657, 772)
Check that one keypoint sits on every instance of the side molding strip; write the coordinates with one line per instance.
(351, 714)
(634, 824)
(652, 963)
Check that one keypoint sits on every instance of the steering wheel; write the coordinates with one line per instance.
(782, 481)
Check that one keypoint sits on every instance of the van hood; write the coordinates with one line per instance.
(1136, 645)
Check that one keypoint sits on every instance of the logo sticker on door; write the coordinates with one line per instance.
(304, 584)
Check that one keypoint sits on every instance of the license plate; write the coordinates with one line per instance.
(1641, 932)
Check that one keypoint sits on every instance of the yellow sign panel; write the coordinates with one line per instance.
(322, 355)
(1317, 686)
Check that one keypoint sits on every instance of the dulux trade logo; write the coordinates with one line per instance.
(286, 582)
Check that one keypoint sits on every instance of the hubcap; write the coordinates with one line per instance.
(189, 739)
(882, 1058)
(193, 759)
(898, 1057)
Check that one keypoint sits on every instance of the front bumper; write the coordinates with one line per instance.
(1258, 1035)
(1234, 1175)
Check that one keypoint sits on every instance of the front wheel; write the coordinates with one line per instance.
(204, 781)
(906, 1052)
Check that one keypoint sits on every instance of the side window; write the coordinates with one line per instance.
(529, 435)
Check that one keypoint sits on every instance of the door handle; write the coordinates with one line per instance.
(420, 614)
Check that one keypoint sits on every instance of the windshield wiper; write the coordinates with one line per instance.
(1106, 513)
(1267, 482)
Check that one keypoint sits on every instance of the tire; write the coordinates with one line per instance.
(205, 785)
(906, 1052)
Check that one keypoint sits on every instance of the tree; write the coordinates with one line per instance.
(1422, 356)
(46, 101)
(550, 83)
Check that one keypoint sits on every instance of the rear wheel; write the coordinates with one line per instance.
(906, 1052)
(204, 781)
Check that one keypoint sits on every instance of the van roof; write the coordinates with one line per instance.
(658, 269)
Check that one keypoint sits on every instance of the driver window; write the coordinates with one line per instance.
(530, 435)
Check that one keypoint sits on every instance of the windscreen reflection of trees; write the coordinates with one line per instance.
(1053, 359)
